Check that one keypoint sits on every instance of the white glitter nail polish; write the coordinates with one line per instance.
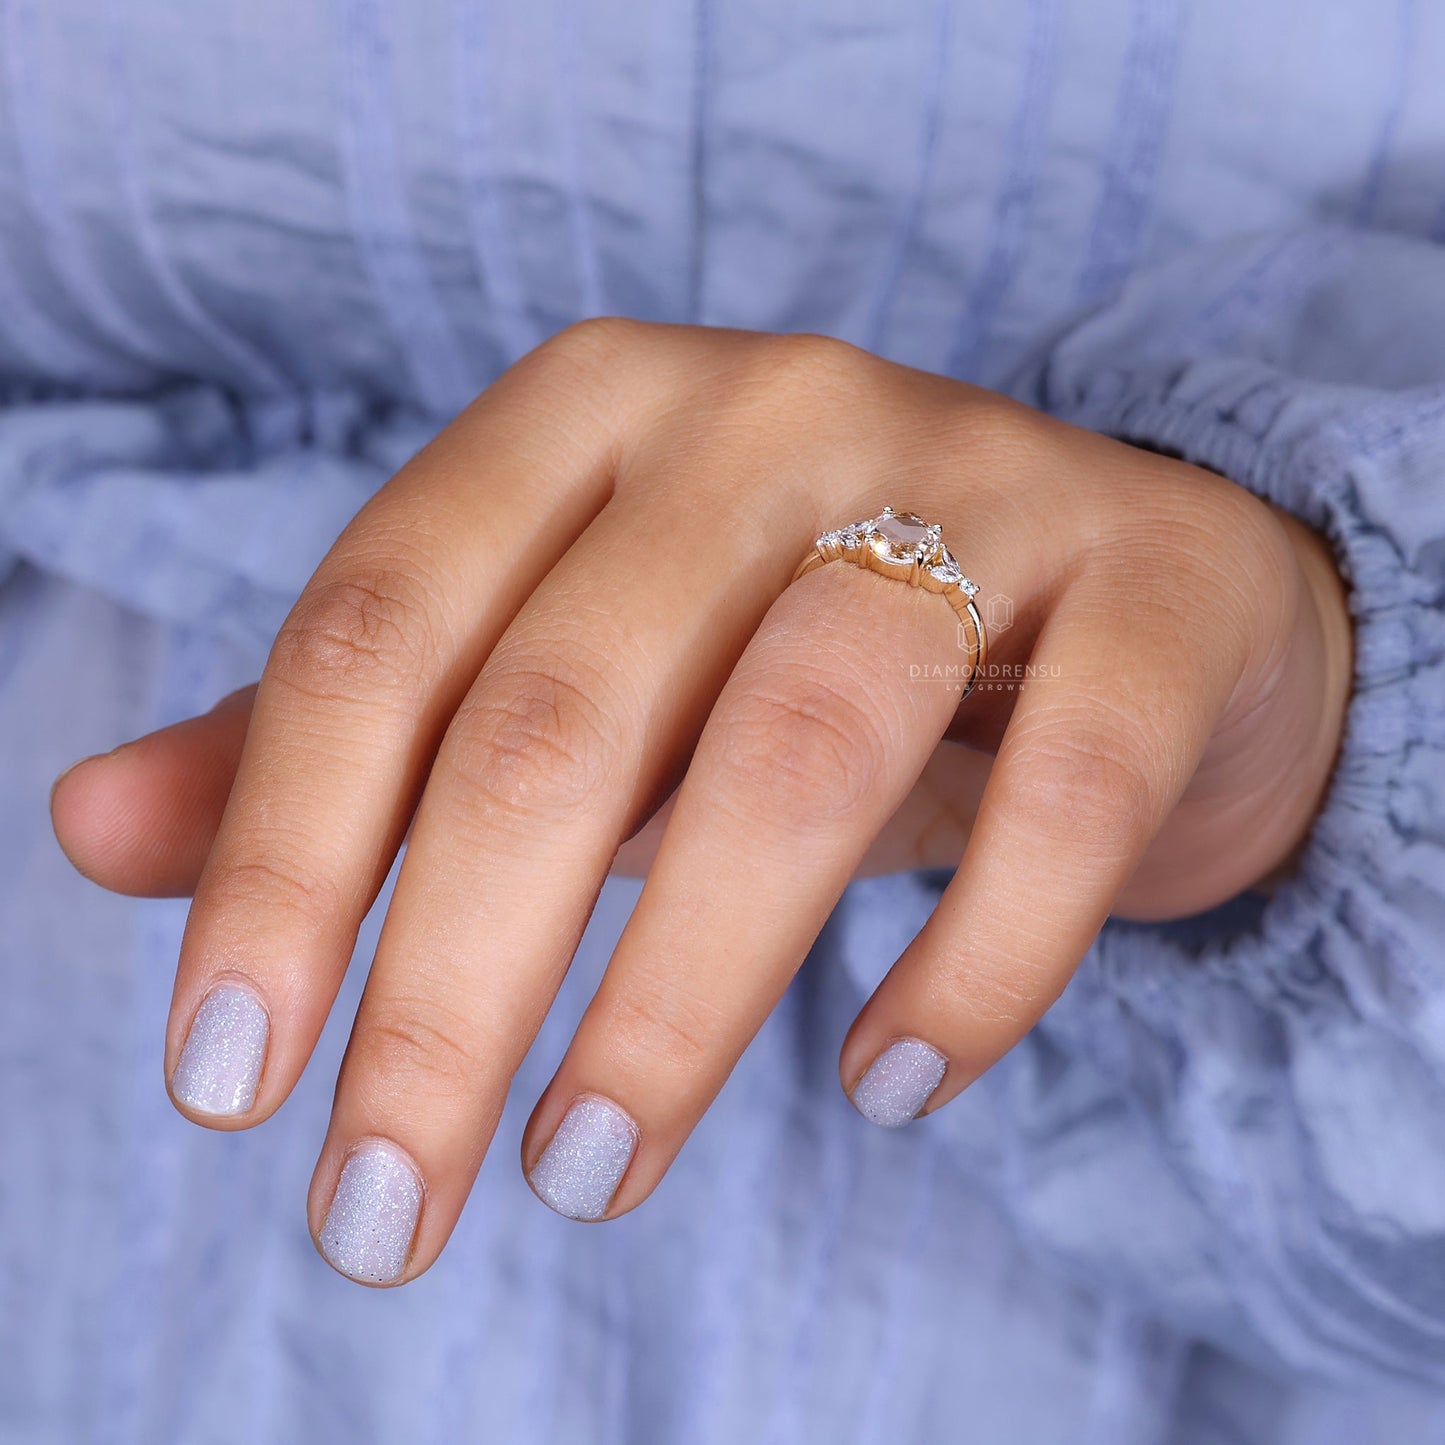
(579, 1171)
(899, 1082)
(373, 1214)
(220, 1065)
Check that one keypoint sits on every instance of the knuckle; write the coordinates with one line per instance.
(1001, 992)
(1001, 436)
(1094, 791)
(596, 344)
(1250, 551)
(536, 740)
(1005, 435)
(409, 1044)
(1204, 532)
(1229, 513)
(800, 366)
(274, 876)
(800, 748)
(668, 1026)
(356, 633)
(1196, 555)
(582, 383)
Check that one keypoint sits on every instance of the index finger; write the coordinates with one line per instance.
(354, 699)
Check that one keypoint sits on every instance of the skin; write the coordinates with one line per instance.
(562, 642)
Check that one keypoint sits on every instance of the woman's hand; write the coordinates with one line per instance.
(568, 623)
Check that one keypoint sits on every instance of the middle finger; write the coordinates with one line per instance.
(821, 731)
(571, 733)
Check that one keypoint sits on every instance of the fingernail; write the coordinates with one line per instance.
(899, 1082)
(220, 1065)
(373, 1214)
(579, 1171)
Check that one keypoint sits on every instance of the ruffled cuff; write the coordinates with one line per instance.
(1290, 1060)
(1191, 360)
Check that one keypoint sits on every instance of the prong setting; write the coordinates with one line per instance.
(900, 539)
(903, 546)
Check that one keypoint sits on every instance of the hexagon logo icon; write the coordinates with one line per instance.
(998, 612)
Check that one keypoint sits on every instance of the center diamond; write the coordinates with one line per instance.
(902, 537)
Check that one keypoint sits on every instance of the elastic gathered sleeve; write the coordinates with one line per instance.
(1291, 1062)
(1242, 1116)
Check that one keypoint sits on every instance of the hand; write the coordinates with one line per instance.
(574, 601)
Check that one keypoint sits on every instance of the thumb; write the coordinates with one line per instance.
(141, 819)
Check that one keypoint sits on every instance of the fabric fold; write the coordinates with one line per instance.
(193, 507)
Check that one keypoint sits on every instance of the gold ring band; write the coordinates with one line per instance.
(904, 547)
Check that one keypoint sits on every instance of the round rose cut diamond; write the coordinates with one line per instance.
(902, 537)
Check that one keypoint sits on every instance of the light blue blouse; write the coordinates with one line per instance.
(253, 254)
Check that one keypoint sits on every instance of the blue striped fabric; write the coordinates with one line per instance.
(253, 256)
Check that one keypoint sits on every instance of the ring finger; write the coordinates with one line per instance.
(817, 738)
